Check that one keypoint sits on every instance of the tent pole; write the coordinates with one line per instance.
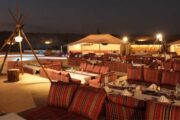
(27, 41)
(9, 48)
(20, 48)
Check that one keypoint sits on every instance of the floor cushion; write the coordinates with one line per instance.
(119, 112)
(88, 102)
(152, 75)
(162, 111)
(127, 101)
(135, 73)
(61, 94)
(170, 78)
(50, 113)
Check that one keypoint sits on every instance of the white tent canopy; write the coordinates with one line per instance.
(97, 43)
(99, 38)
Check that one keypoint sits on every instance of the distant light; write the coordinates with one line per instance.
(47, 42)
(18, 39)
(141, 40)
(125, 39)
(159, 37)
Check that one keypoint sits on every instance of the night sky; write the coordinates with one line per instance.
(85, 16)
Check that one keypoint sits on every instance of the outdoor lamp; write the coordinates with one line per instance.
(159, 37)
(125, 38)
(18, 38)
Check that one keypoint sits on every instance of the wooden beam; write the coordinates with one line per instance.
(27, 41)
(20, 48)
(9, 48)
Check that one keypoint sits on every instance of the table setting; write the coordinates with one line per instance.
(144, 92)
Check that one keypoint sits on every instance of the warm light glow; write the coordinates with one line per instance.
(47, 42)
(125, 39)
(159, 37)
(18, 38)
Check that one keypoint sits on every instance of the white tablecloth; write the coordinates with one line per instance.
(83, 78)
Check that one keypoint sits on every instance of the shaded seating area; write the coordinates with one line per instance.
(71, 101)
(143, 75)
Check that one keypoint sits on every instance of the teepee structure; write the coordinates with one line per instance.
(17, 36)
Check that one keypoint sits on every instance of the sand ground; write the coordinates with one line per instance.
(29, 92)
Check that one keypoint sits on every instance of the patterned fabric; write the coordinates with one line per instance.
(95, 82)
(82, 66)
(96, 69)
(170, 78)
(118, 112)
(50, 113)
(167, 65)
(135, 73)
(61, 94)
(152, 75)
(104, 70)
(162, 111)
(88, 103)
(89, 68)
(127, 101)
(65, 76)
(176, 66)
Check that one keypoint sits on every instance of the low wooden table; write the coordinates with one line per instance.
(13, 75)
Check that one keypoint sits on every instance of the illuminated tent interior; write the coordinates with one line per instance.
(145, 45)
(175, 47)
(97, 43)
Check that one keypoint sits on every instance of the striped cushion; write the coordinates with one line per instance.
(135, 73)
(96, 69)
(162, 111)
(65, 76)
(167, 65)
(89, 68)
(61, 94)
(170, 78)
(176, 66)
(152, 75)
(87, 102)
(127, 101)
(118, 112)
(82, 66)
(104, 70)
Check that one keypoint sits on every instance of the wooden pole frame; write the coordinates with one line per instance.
(20, 48)
(29, 44)
(19, 25)
(9, 48)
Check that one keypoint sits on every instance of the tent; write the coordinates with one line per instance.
(98, 43)
(175, 47)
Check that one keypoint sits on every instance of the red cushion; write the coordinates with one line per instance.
(162, 111)
(88, 102)
(170, 78)
(104, 70)
(60, 94)
(83, 66)
(152, 75)
(167, 65)
(127, 101)
(135, 73)
(176, 66)
(96, 69)
(89, 68)
(50, 113)
(118, 112)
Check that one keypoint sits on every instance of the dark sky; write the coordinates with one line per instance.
(85, 16)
